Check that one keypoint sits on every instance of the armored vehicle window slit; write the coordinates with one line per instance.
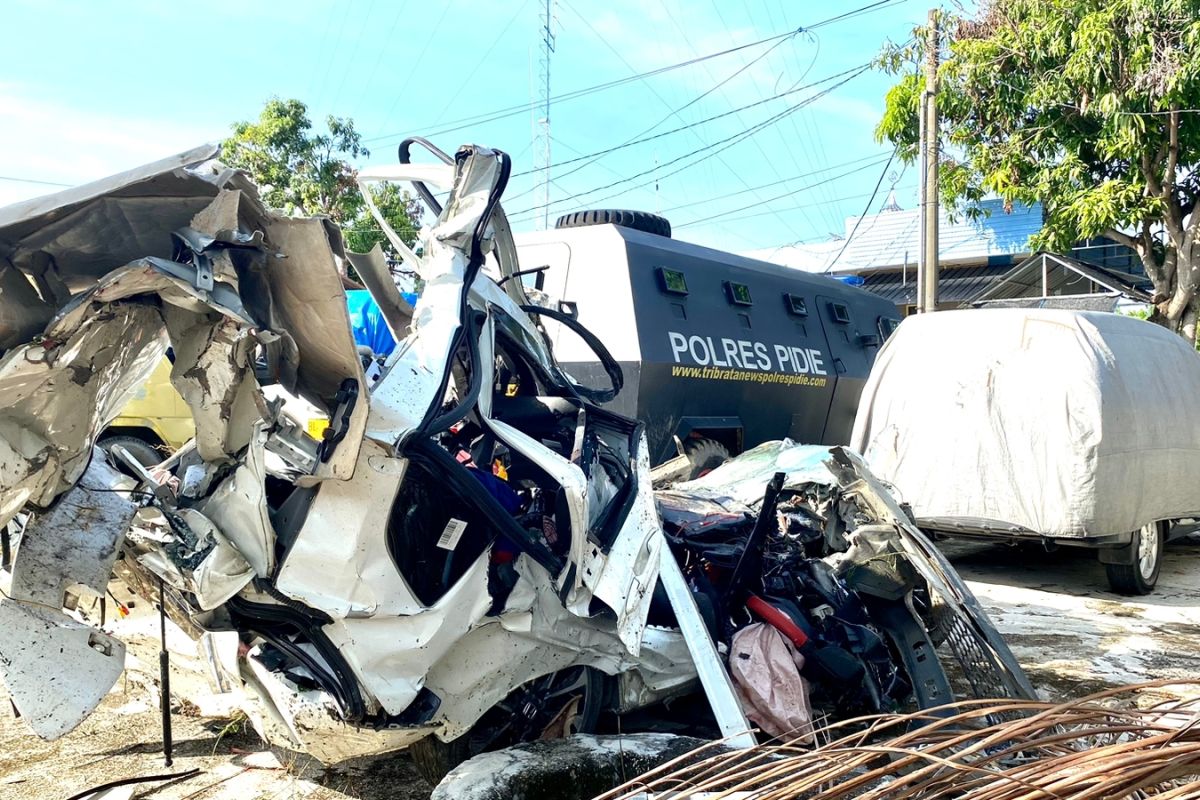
(738, 293)
(672, 281)
(795, 304)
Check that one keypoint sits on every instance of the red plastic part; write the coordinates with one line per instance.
(777, 620)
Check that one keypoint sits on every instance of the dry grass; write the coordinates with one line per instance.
(1101, 747)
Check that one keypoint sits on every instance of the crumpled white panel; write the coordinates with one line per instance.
(346, 526)
(624, 578)
(213, 375)
(392, 655)
(58, 391)
(744, 477)
(223, 572)
(411, 385)
(56, 669)
(535, 636)
(56, 394)
(238, 507)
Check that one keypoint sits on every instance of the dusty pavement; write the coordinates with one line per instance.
(1070, 633)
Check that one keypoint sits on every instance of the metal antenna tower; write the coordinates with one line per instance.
(542, 143)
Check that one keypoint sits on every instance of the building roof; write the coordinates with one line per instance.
(890, 239)
(1062, 274)
(1071, 302)
(955, 285)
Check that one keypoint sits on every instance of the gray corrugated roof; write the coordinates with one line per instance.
(955, 285)
(888, 238)
(1078, 302)
(1063, 277)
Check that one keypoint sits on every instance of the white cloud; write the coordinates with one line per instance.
(46, 139)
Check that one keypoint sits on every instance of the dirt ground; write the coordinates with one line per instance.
(1070, 633)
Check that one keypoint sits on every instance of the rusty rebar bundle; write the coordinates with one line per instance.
(1105, 746)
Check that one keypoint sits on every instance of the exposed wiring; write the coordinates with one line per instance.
(104, 787)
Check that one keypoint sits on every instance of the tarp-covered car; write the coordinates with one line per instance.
(470, 555)
(1066, 427)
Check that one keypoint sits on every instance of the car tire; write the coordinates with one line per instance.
(704, 455)
(637, 220)
(433, 758)
(146, 454)
(1140, 577)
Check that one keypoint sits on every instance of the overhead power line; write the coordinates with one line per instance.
(592, 158)
(503, 113)
(829, 168)
(793, 90)
(818, 204)
(32, 180)
(866, 211)
(785, 194)
(715, 147)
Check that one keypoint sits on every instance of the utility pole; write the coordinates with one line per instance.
(542, 146)
(927, 269)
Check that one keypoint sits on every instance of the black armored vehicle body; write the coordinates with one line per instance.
(720, 351)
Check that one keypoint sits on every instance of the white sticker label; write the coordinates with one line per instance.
(451, 534)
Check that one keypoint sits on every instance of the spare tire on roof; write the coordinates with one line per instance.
(637, 220)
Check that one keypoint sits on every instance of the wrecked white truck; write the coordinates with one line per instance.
(471, 555)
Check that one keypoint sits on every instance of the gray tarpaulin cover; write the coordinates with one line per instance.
(1069, 424)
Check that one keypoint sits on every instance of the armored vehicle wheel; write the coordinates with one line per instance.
(637, 220)
(705, 455)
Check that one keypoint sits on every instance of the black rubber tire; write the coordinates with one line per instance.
(1130, 579)
(433, 758)
(705, 455)
(143, 451)
(637, 220)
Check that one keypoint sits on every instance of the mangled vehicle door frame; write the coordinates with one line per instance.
(622, 575)
(618, 561)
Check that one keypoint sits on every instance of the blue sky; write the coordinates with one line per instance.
(90, 88)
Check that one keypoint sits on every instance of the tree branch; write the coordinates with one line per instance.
(1172, 151)
(1145, 250)
(1153, 187)
(1123, 238)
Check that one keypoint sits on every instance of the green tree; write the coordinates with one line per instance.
(300, 171)
(1086, 105)
(398, 207)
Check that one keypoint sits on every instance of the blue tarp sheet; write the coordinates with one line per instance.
(367, 323)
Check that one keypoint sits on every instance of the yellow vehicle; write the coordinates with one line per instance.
(154, 423)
